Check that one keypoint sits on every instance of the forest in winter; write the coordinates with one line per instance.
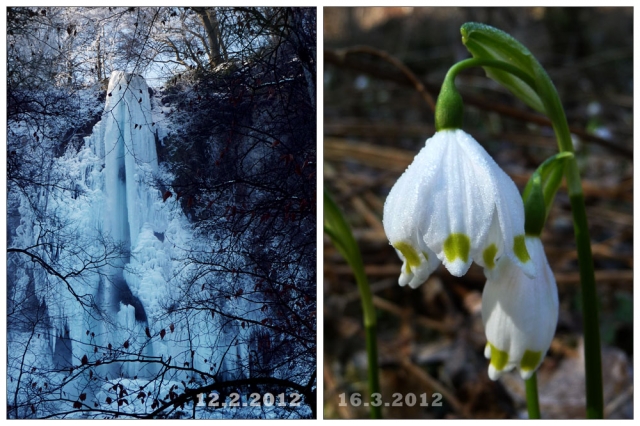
(161, 212)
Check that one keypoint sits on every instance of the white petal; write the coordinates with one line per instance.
(493, 373)
(402, 218)
(492, 248)
(461, 201)
(416, 275)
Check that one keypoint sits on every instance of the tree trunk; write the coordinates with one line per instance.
(210, 23)
(99, 61)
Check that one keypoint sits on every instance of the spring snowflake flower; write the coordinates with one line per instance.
(454, 205)
(520, 313)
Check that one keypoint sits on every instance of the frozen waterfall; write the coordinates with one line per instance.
(125, 327)
(133, 212)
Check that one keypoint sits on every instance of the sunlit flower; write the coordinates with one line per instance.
(454, 205)
(520, 314)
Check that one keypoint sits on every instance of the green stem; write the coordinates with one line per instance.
(449, 107)
(370, 324)
(372, 370)
(592, 355)
(593, 358)
(531, 386)
(491, 63)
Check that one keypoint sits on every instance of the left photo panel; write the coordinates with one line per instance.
(161, 212)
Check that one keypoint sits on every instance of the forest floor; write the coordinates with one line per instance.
(431, 339)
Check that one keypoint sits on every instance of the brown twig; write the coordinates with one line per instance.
(432, 383)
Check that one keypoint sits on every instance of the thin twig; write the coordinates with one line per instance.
(432, 383)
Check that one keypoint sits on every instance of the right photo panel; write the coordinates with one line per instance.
(478, 213)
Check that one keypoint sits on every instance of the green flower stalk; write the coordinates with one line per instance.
(531, 390)
(534, 87)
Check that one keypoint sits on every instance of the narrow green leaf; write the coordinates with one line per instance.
(340, 234)
(339, 231)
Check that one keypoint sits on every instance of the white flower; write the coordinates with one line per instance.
(454, 204)
(520, 314)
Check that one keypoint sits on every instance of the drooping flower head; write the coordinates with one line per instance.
(454, 205)
(520, 313)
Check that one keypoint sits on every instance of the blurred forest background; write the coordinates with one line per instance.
(375, 121)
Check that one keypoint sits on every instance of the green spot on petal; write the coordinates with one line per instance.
(457, 246)
(530, 360)
(520, 249)
(499, 358)
(489, 256)
(411, 256)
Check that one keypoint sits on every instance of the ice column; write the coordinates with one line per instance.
(130, 156)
